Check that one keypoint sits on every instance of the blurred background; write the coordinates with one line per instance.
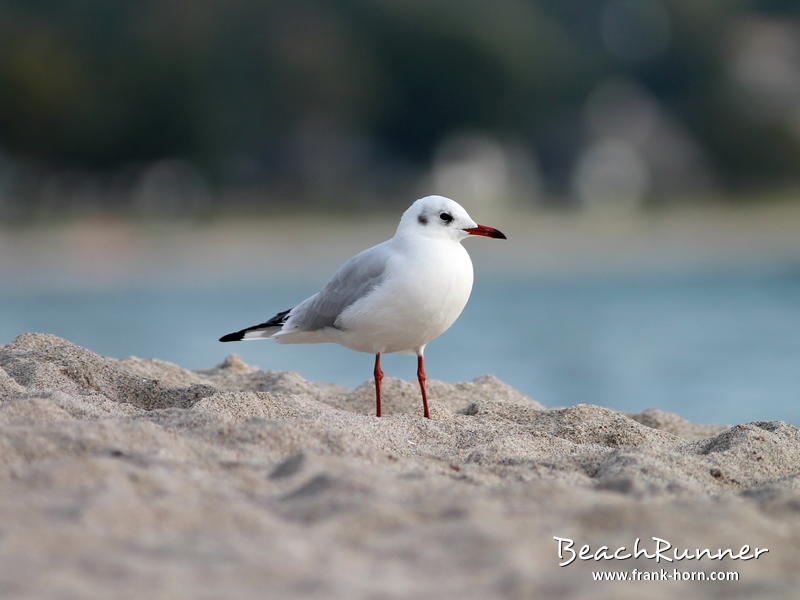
(171, 171)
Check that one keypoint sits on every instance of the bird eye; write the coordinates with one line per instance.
(446, 217)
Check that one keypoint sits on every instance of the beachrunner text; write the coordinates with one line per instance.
(662, 550)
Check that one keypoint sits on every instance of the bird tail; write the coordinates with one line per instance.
(263, 330)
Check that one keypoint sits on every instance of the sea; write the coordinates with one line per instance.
(713, 345)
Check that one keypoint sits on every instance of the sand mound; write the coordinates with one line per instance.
(131, 478)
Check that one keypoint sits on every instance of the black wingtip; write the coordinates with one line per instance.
(277, 321)
(232, 337)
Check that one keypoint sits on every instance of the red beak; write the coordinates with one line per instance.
(486, 232)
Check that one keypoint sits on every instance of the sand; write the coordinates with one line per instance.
(140, 479)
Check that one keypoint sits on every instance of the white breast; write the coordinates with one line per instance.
(426, 287)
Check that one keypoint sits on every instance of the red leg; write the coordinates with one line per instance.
(378, 378)
(421, 378)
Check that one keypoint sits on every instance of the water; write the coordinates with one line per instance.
(714, 347)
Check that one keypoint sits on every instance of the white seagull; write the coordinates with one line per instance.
(394, 297)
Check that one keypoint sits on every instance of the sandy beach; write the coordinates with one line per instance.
(138, 478)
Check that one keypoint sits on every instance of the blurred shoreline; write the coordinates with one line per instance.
(108, 250)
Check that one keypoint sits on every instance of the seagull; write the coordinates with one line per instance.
(396, 296)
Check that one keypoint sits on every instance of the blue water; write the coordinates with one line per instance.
(717, 347)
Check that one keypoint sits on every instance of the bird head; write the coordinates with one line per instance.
(440, 217)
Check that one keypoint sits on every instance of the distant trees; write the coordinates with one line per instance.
(315, 97)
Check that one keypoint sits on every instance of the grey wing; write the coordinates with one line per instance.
(355, 279)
